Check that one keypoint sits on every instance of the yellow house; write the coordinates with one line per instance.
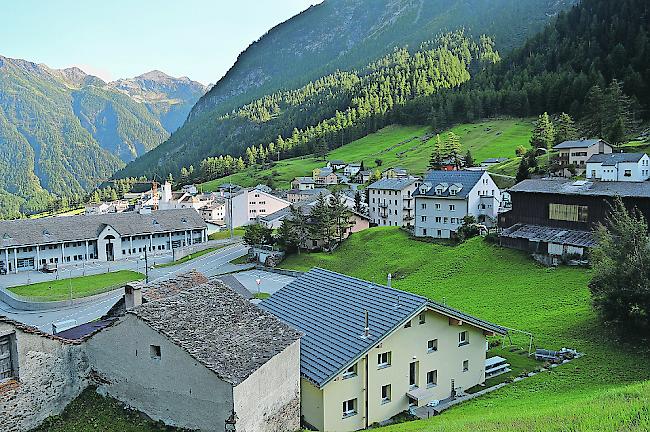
(370, 352)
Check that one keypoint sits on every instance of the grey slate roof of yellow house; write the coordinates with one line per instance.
(219, 328)
(88, 227)
(329, 308)
(586, 143)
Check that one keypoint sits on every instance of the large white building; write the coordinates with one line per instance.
(445, 197)
(31, 244)
(629, 167)
(249, 204)
(391, 203)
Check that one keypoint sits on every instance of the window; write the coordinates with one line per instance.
(463, 338)
(424, 218)
(8, 360)
(452, 207)
(566, 212)
(385, 393)
(437, 206)
(465, 365)
(413, 374)
(424, 206)
(432, 345)
(424, 232)
(408, 323)
(154, 352)
(351, 372)
(383, 360)
(438, 219)
(628, 173)
(423, 317)
(349, 408)
(432, 378)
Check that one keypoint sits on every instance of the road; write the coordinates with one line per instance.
(210, 264)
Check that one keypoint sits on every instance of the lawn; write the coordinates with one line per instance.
(189, 257)
(83, 286)
(222, 235)
(396, 146)
(91, 412)
(607, 389)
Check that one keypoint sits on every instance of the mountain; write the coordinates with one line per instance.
(62, 131)
(348, 34)
(169, 99)
(312, 48)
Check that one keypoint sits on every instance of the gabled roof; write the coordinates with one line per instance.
(582, 187)
(539, 233)
(392, 184)
(329, 308)
(495, 160)
(578, 143)
(466, 178)
(219, 328)
(88, 227)
(325, 171)
(613, 159)
(304, 180)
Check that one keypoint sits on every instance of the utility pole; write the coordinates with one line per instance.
(232, 228)
(146, 266)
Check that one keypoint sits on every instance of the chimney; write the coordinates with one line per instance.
(366, 330)
(132, 295)
(390, 278)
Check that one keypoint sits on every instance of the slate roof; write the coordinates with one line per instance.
(219, 328)
(324, 172)
(569, 187)
(392, 183)
(88, 227)
(466, 178)
(315, 191)
(550, 235)
(494, 160)
(329, 308)
(612, 159)
(577, 144)
(305, 180)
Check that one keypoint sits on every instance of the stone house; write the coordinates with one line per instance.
(382, 353)
(194, 356)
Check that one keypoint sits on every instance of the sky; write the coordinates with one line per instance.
(113, 39)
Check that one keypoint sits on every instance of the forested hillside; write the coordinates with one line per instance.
(348, 34)
(326, 113)
(61, 131)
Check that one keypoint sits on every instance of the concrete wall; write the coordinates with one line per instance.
(50, 375)
(175, 389)
(406, 345)
(269, 399)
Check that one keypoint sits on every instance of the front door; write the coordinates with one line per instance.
(110, 256)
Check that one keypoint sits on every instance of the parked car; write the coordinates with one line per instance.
(49, 268)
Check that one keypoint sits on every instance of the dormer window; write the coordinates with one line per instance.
(155, 222)
(184, 220)
(46, 232)
(6, 236)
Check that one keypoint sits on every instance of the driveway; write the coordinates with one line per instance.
(211, 264)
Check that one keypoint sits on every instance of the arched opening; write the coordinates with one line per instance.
(110, 248)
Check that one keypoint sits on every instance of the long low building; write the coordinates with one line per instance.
(31, 244)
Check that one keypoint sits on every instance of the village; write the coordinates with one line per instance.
(294, 357)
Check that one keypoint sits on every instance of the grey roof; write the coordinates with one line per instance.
(550, 235)
(86, 330)
(337, 162)
(612, 159)
(219, 328)
(315, 191)
(578, 143)
(392, 184)
(495, 160)
(329, 308)
(466, 178)
(305, 180)
(325, 171)
(581, 187)
(88, 227)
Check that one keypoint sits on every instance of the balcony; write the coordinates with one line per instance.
(383, 205)
(408, 218)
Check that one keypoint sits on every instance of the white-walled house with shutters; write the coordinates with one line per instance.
(445, 197)
(31, 244)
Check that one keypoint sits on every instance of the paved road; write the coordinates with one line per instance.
(269, 282)
(211, 264)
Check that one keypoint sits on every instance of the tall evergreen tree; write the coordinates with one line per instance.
(543, 133)
(565, 130)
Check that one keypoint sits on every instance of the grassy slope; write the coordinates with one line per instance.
(81, 286)
(506, 287)
(490, 138)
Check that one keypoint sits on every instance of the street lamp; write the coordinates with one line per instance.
(146, 265)
(258, 281)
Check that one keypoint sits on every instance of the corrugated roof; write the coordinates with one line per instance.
(219, 328)
(392, 183)
(597, 188)
(88, 227)
(578, 143)
(329, 308)
(550, 235)
(611, 159)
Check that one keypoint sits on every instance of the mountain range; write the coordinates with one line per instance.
(62, 130)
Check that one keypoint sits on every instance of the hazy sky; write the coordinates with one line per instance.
(124, 38)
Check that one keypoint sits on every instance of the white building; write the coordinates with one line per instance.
(118, 206)
(303, 183)
(391, 203)
(249, 204)
(352, 169)
(445, 197)
(31, 244)
(630, 167)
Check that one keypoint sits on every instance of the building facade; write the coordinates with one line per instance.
(303, 183)
(577, 152)
(445, 197)
(391, 202)
(31, 244)
(390, 351)
(324, 176)
(249, 204)
(629, 167)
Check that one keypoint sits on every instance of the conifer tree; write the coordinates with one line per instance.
(565, 129)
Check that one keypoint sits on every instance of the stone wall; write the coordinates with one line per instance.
(51, 373)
